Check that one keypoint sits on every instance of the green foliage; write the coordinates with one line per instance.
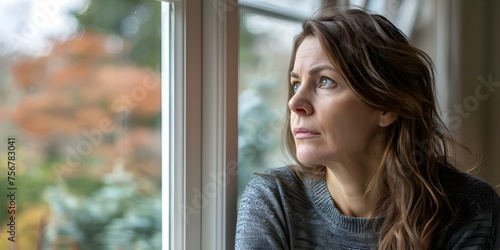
(29, 189)
(136, 21)
(117, 216)
(246, 42)
(258, 130)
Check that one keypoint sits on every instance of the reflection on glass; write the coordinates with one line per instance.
(265, 46)
(80, 93)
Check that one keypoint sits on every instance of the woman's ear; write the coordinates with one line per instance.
(386, 119)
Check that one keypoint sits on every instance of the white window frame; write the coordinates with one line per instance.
(201, 170)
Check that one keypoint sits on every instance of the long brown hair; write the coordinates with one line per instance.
(387, 73)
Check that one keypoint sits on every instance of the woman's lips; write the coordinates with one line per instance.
(303, 133)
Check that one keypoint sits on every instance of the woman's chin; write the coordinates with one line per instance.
(308, 159)
(314, 157)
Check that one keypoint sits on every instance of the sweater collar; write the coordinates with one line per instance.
(325, 206)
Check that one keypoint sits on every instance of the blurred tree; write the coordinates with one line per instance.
(137, 21)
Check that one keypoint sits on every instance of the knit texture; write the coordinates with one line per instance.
(280, 211)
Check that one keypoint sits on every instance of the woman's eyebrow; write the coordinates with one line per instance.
(314, 70)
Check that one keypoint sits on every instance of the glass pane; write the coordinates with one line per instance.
(80, 112)
(306, 7)
(402, 13)
(265, 47)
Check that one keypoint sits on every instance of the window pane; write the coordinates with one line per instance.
(81, 100)
(300, 6)
(265, 47)
(402, 13)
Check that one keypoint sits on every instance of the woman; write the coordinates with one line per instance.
(372, 166)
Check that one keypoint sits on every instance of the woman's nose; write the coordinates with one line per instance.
(300, 103)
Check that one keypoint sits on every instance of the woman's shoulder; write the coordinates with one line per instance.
(278, 184)
(263, 211)
(476, 218)
(271, 192)
(284, 172)
(471, 196)
(469, 192)
(274, 179)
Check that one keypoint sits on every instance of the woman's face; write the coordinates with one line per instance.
(328, 122)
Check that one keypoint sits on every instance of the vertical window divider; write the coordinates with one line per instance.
(220, 124)
(167, 149)
(202, 143)
(192, 120)
(184, 99)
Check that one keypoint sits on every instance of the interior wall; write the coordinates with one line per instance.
(493, 118)
(478, 78)
(463, 39)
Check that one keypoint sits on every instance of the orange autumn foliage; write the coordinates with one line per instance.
(78, 85)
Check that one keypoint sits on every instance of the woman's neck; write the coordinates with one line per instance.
(348, 186)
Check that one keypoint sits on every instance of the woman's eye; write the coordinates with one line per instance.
(295, 87)
(327, 83)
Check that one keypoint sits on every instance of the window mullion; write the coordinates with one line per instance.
(184, 98)
(220, 118)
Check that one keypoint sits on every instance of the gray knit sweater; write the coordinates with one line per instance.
(283, 212)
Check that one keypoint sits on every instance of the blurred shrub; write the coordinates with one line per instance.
(117, 216)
